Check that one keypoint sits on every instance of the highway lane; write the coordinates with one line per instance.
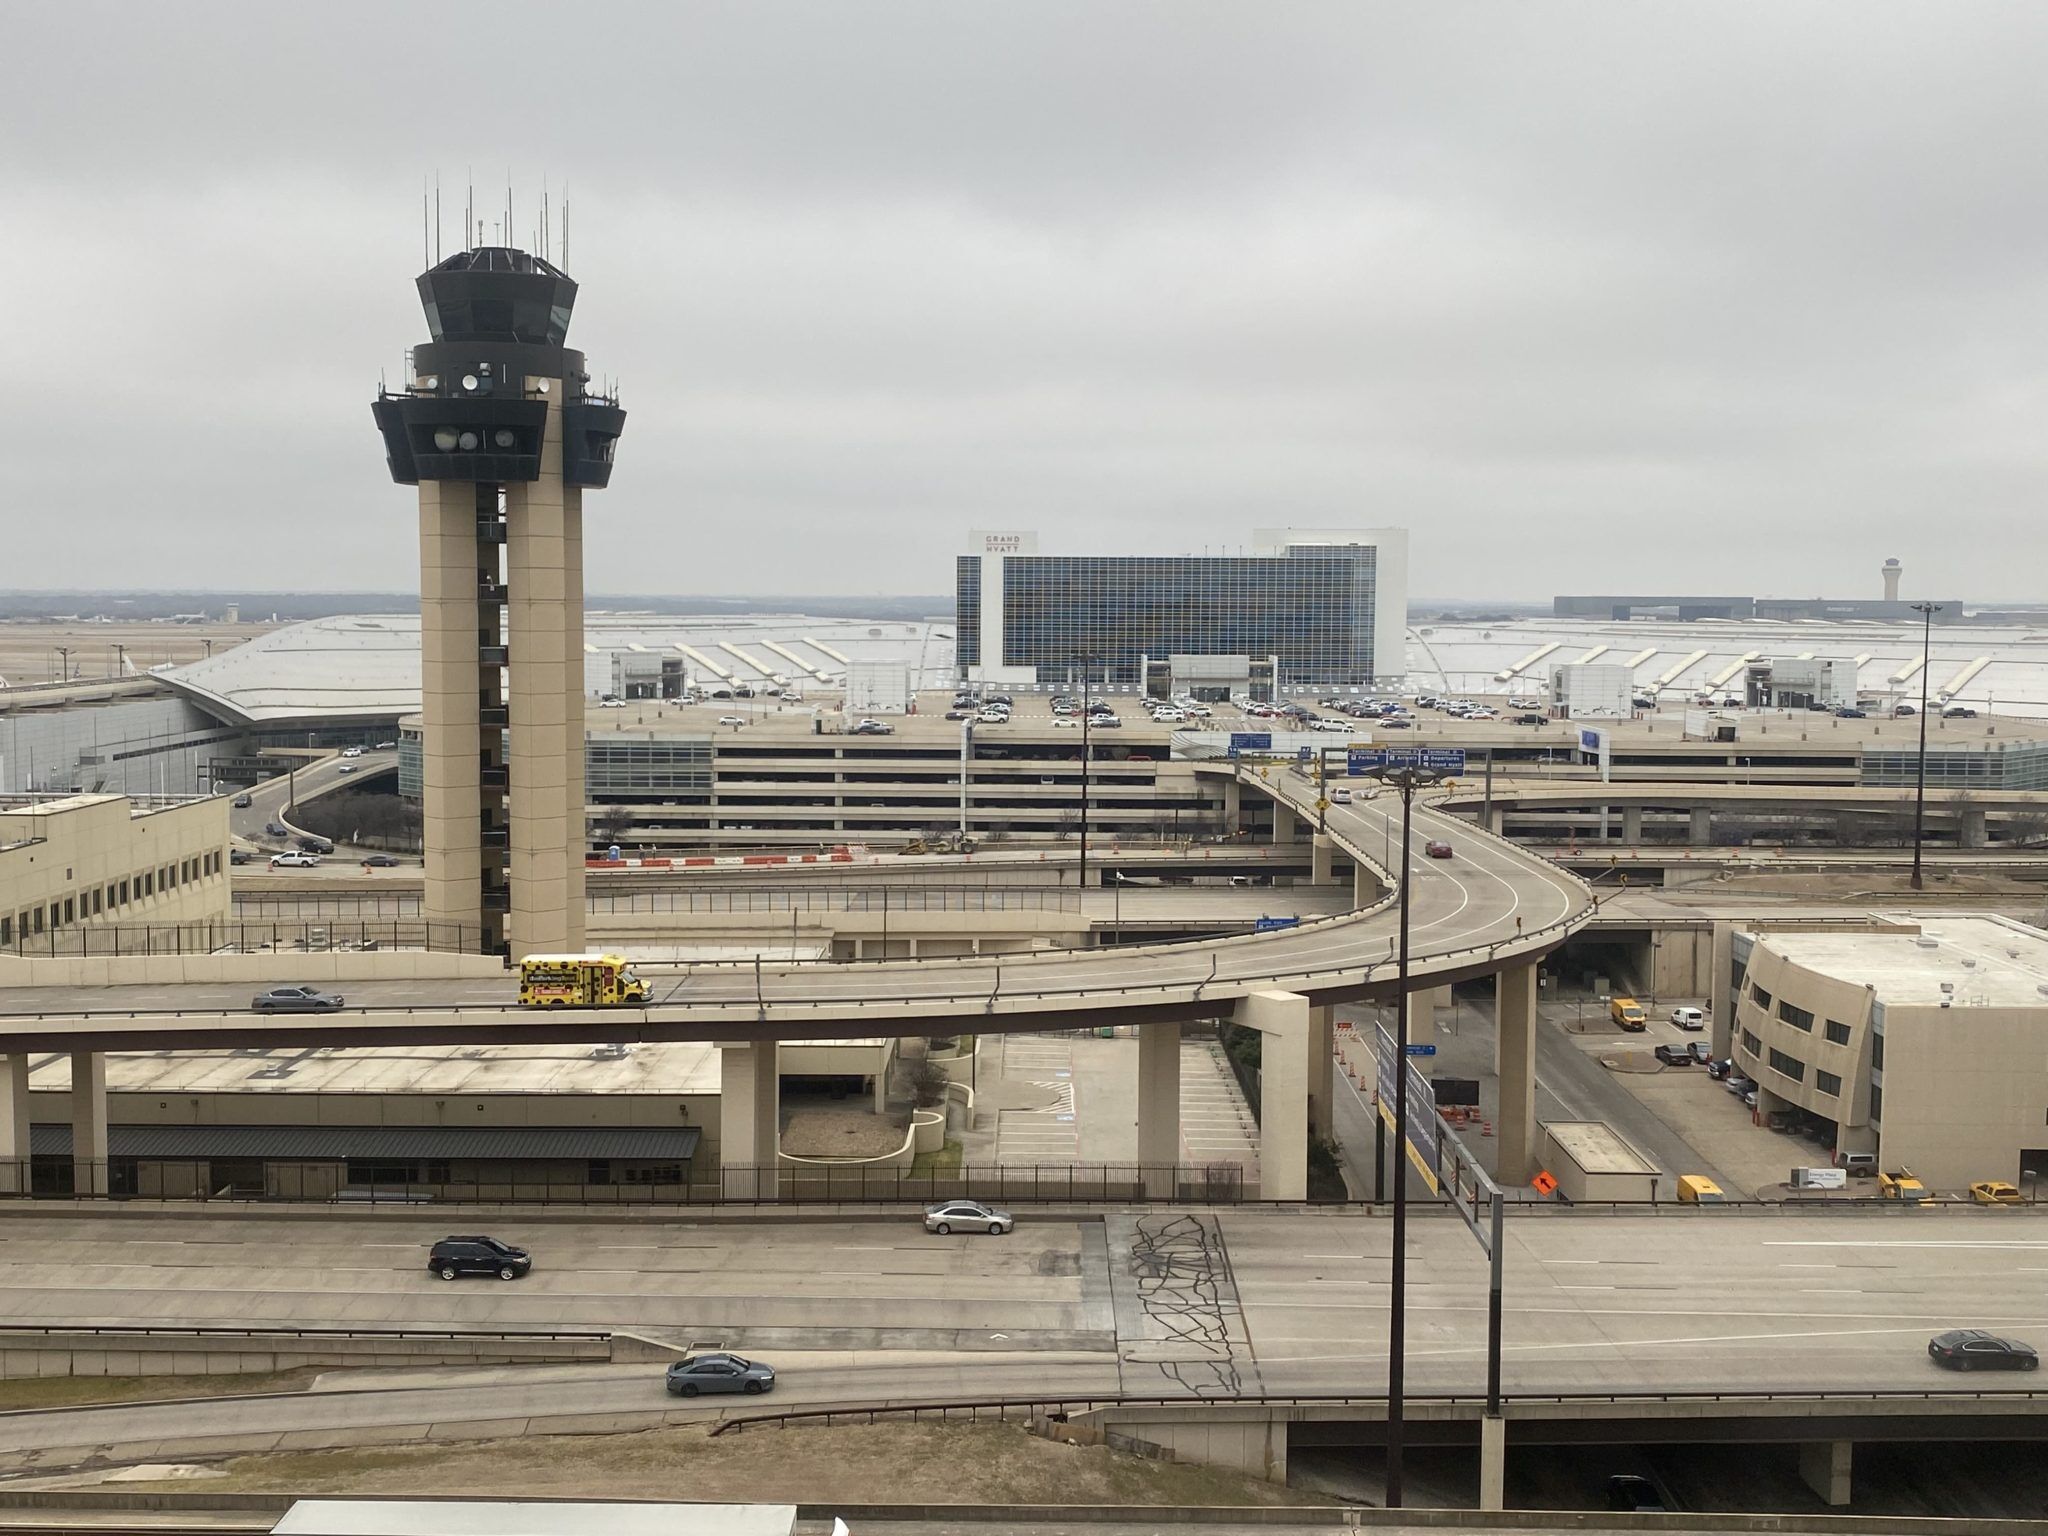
(267, 799)
(837, 1283)
(1490, 896)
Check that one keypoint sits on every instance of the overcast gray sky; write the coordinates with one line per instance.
(1711, 296)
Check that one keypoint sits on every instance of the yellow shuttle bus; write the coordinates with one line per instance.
(579, 981)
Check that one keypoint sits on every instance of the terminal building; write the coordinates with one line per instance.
(1920, 1042)
(76, 869)
(1307, 608)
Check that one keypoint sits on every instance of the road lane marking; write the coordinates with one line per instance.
(1874, 1242)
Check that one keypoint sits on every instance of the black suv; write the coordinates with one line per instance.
(454, 1256)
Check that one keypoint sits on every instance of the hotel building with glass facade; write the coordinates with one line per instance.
(1321, 607)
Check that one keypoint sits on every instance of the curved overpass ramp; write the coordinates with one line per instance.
(1491, 906)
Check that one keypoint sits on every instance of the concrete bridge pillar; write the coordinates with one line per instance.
(1365, 890)
(1282, 1020)
(1514, 1064)
(1233, 805)
(1493, 1462)
(1699, 830)
(1322, 1073)
(1159, 1095)
(88, 1123)
(1825, 1465)
(1721, 991)
(1286, 825)
(749, 1129)
(1495, 820)
(1970, 832)
(1321, 871)
(14, 1153)
(1632, 825)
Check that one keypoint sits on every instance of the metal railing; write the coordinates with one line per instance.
(18, 1331)
(963, 898)
(303, 936)
(1061, 1407)
(359, 1181)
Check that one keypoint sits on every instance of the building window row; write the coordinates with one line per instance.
(1759, 996)
(1790, 1066)
(96, 901)
(1750, 1043)
(1796, 1016)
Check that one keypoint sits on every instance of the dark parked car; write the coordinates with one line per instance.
(1849, 712)
(1529, 719)
(296, 1000)
(311, 844)
(455, 1256)
(1958, 712)
(1674, 1055)
(718, 1373)
(1972, 1349)
(380, 861)
(1625, 1491)
(239, 856)
(243, 802)
(1719, 1069)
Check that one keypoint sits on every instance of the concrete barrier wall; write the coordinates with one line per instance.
(337, 966)
(166, 1354)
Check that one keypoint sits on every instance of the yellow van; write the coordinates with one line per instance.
(1628, 1014)
(1698, 1189)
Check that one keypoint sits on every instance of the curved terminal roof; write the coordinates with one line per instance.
(342, 668)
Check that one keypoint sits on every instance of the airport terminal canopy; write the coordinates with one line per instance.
(496, 293)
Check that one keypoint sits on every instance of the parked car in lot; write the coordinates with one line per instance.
(967, 1216)
(1674, 1055)
(1718, 1070)
(1972, 1349)
(456, 1256)
(1958, 712)
(695, 1374)
(296, 1000)
(1996, 1192)
(732, 720)
(1850, 712)
(1737, 1084)
(1702, 1053)
(1689, 1018)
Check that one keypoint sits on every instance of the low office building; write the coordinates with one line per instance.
(75, 869)
(1921, 1044)
(524, 1122)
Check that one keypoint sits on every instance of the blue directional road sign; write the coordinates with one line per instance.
(1422, 1050)
(1275, 924)
(1250, 741)
(1363, 760)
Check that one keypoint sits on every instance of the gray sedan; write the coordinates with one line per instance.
(296, 1000)
(967, 1216)
(718, 1373)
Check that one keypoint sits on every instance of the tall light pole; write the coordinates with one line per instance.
(1927, 611)
(1407, 780)
(1086, 658)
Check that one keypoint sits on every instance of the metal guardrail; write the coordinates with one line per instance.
(311, 1180)
(1063, 1406)
(306, 935)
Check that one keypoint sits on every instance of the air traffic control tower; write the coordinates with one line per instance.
(499, 430)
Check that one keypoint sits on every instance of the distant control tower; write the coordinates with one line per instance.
(1892, 572)
(498, 429)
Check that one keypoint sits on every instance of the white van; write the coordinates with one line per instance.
(1688, 1018)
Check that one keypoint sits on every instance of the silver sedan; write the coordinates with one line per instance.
(967, 1216)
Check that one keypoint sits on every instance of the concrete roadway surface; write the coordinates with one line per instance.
(1253, 1301)
(1488, 893)
(268, 798)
